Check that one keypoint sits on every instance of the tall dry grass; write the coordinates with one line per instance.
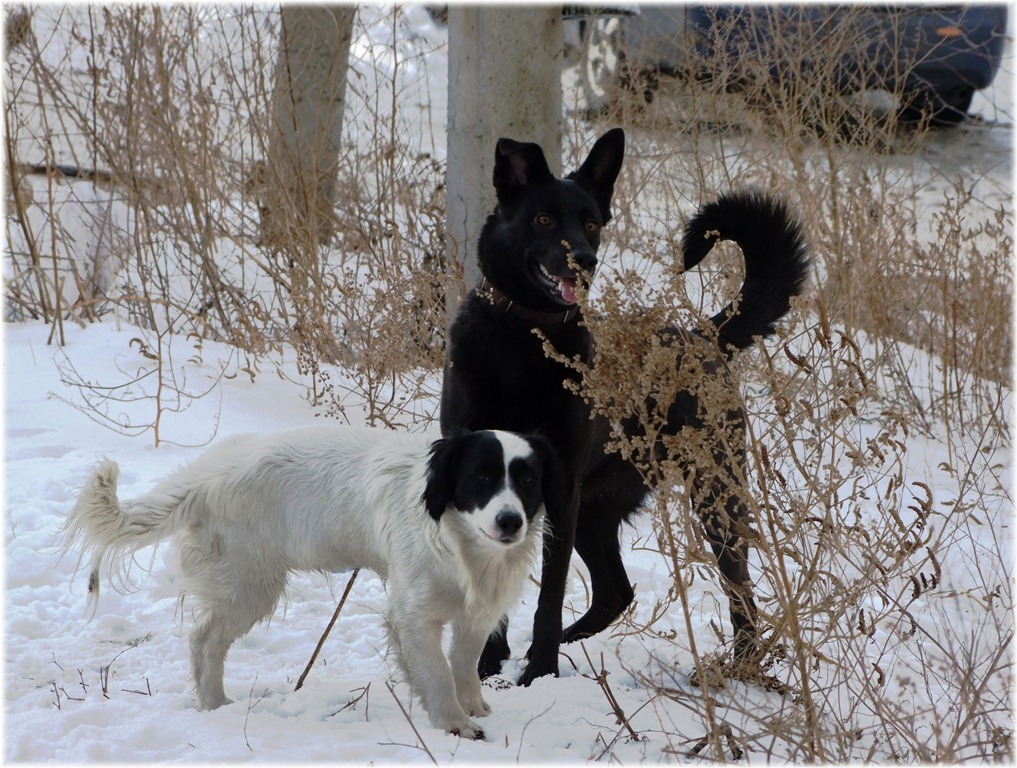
(902, 343)
(175, 115)
(900, 349)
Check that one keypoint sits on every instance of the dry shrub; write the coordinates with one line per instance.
(902, 344)
(175, 111)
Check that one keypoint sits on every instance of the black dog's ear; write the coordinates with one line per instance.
(601, 168)
(441, 476)
(518, 165)
(554, 486)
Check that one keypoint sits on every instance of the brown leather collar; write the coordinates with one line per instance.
(499, 299)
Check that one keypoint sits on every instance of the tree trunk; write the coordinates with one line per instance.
(307, 112)
(504, 80)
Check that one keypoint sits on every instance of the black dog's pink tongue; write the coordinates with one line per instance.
(568, 290)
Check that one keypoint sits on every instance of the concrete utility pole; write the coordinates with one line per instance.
(504, 80)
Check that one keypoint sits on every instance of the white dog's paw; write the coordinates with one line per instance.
(458, 723)
(475, 706)
(213, 702)
(467, 730)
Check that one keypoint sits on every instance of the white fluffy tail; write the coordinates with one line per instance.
(99, 525)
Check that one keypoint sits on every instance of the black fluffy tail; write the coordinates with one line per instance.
(777, 261)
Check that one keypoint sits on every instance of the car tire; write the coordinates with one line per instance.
(927, 107)
(602, 62)
(604, 73)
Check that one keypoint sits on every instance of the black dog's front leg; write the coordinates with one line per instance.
(559, 538)
(612, 490)
(495, 651)
(543, 653)
(547, 624)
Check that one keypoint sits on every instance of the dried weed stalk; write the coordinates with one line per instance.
(903, 343)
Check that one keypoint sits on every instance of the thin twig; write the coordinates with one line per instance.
(609, 745)
(727, 733)
(527, 725)
(352, 703)
(601, 679)
(147, 692)
(410, 721)
(251, 704)
(335, 617)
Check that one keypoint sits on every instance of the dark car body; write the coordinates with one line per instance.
(931, 57)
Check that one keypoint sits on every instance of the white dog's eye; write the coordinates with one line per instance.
(526, 479)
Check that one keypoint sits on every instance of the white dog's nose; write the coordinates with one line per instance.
(508, 523)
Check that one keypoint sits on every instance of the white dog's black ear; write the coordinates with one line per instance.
(554, 486)
(441, 476)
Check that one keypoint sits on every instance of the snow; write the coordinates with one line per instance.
(117, 687)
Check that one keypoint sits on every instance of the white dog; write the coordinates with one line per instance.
(453, 525)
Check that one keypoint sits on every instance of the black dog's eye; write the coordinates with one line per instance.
(481, 477)
(545, 220)
(592, 227)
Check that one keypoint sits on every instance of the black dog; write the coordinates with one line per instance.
(535, 248)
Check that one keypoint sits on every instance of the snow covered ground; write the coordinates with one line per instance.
(117, 688)
(63, 706)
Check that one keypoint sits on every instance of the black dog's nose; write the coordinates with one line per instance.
(508, 522)
(587, 260)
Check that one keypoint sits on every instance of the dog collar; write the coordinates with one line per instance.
(499, 299)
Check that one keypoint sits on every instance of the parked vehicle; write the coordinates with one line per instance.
(931, 58)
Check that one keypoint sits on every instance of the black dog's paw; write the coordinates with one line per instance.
(488, 668)
(491, 658)
(536, 669)
(577, 631)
